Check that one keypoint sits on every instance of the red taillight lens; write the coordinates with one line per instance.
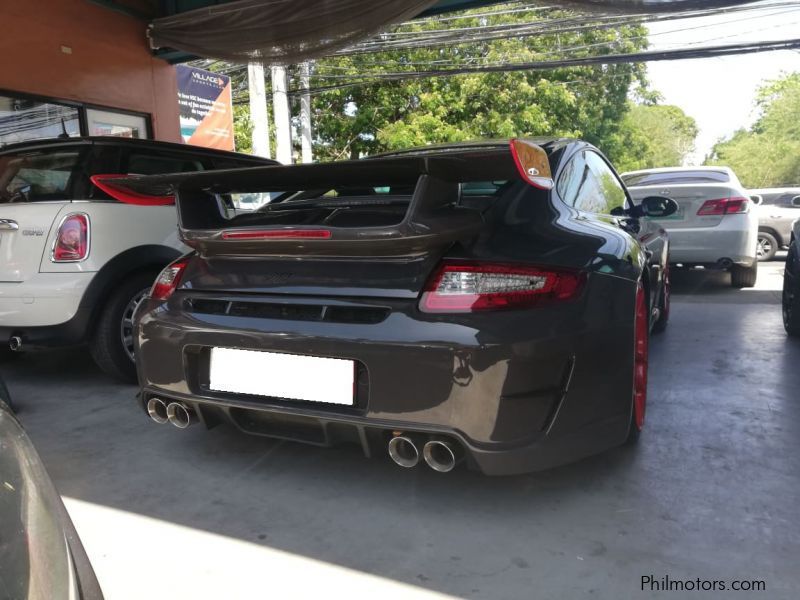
(168, 281)
(724, 206)
(469, 287)
(125, 195)
(72, 239)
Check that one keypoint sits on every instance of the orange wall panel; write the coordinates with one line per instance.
(76, 50)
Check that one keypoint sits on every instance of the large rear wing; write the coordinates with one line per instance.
(427, 215)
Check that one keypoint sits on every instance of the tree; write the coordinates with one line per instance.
(586, 101)
(767, 154)
(655, 136)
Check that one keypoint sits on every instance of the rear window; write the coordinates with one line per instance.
(676, 177)
(37, 176)
(780, 199)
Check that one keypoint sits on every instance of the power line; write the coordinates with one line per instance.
(608, 59)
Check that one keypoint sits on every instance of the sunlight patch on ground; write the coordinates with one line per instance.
(138, 557)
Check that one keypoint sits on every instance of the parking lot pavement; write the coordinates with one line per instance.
(711, 492)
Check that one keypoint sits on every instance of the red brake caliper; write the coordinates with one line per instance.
(641, 336)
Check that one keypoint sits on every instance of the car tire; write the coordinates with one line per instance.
(108, 345)
(767, 246)
(744, 277)
(641, 351)
(790, 300)
(664, 304)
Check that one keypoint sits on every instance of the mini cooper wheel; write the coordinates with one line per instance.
(790, 301)
(111, 344)
(767, 246)
(641, 338)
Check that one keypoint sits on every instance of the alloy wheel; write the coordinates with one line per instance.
(126, 325)
(764, 248)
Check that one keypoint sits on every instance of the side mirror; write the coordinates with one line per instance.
(796, 201)
(658, 207)
(756, 199)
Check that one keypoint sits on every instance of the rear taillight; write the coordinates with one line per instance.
(469, 287)
(168, 281)
(724, 206)
(72, 239)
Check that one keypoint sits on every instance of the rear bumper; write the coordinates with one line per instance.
(735, 238)
(44, 299)
(519, 391)
(46, 310)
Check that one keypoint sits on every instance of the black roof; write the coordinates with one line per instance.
(549, 143)
(131, 142)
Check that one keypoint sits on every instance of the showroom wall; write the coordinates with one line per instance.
(77, 51)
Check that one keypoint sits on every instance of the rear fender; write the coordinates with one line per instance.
(116, 270)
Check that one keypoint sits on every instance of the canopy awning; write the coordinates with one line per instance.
(291, 31)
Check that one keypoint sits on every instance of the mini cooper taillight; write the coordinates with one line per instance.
(473, 286)
(72, 239)
(168, 281)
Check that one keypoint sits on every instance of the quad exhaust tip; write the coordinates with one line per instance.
(180, 415)
(15, 343)
(157, 410)
(440, 455)
(403, 451)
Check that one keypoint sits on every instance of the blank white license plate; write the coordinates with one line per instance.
(282, 375)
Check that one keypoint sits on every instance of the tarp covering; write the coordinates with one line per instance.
(279, 31)
(291, 31)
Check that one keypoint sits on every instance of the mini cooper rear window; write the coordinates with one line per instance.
(37, 177)
(676, 177)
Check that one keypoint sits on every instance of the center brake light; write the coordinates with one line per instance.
(477, 286)
(724, 206)
(168, 280)
(72, 239)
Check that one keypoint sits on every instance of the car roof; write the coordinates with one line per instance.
(130, 142)
(679, 169)
(549, 143)
(780, 190)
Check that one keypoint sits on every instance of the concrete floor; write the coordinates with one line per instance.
(711, 492)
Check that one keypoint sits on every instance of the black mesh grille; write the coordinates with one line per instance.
(291, 312)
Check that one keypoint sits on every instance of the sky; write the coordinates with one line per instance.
(720, 92)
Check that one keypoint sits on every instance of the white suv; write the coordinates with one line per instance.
(715, 226)
(74, 261)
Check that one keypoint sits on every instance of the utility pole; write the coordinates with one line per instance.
(258, 110)
(305, 113)
(283, 118)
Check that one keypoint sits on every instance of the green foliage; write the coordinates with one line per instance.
(587, 101)
(242, 128)
(768, 154)
(656, 136)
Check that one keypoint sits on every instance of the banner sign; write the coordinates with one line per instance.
(206, 108)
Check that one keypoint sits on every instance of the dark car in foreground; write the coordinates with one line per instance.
(489, 302)
(790, 301)
(41, 555)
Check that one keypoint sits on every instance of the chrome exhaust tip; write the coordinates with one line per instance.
(440, 455)
(157, 410)
(15, 343)
(180, 415)
(403, 451)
